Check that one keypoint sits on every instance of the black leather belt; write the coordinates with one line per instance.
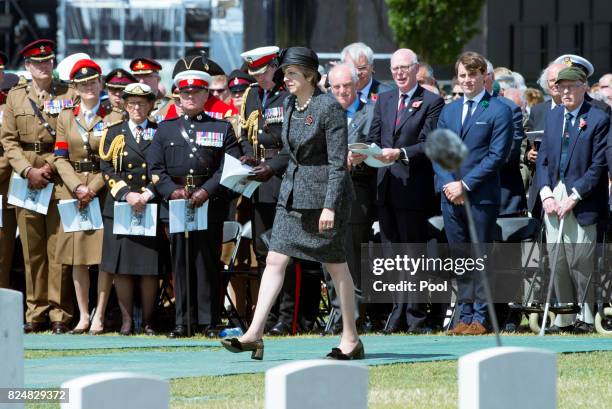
(81, 166)
(268, 153)
(38, 147)
(189, 180)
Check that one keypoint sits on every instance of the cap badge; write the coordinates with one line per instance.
(567, 61)
(236, 82)
(138, 90)
(140, 65)
(42, 48)
(249, 60)
(84, 70)
(190, 81)
(119, 74)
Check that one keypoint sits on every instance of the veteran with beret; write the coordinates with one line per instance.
(28, 137)
(131, 260)
(186, 160)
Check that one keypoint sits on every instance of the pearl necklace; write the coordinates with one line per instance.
(304, 107)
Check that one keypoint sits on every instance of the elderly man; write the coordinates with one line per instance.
(362, 57)
(425, 75)
(535, 123)
(572, 182)
(343, 85)
(605, 88)
(405, 196)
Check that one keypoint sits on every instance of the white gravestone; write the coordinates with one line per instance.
(117, 390)
(317, 384)
(11, 342)
(508, 378)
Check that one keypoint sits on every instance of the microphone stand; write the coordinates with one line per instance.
(483, 274)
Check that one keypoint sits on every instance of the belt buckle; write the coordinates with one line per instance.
(189, 184)
(77, 166)
(37, 147)
(263, 153)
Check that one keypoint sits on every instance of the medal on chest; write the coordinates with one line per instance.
(210, 139)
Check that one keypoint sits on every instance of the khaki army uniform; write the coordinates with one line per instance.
(9, 220)
(77, 162)
(29, 142)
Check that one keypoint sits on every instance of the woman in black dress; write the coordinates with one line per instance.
(128, 258)
(314, 201)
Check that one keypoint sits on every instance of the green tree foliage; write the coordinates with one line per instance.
(436, 30)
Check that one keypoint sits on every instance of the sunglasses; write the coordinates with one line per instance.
(457, 94)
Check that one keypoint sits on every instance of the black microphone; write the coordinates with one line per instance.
(445, 148)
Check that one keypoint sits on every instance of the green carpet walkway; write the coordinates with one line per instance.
(206, 359)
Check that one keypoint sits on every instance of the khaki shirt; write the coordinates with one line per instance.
(21, 125)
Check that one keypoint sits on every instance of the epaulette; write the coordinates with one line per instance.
(114, 123)
(20, 85)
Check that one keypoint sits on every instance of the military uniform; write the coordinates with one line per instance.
(174, 163)
(9, 220)
(125, 170)
(77, 162)
(28, 136)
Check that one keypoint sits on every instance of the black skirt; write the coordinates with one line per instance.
(134, 255)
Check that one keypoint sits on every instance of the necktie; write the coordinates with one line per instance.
(468, 115)
(138, 133)
(264, 99)
(400, 109)
(88, 117)
(567, 129)
(360, 95)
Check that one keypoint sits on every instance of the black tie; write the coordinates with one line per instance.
(567, 129)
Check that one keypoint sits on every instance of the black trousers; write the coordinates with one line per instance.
(204, 283)
(404, 226)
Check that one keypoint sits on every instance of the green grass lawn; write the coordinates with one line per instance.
(583, 383)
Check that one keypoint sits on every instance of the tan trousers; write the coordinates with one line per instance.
(575, 262)
(7, 244)
(49, 286)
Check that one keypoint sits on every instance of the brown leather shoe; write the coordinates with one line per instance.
(58, 328)
(475, 328)
(459, 328)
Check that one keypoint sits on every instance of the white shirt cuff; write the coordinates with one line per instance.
(407, 160)
(576, 193)
(545, 193)
(466, 186)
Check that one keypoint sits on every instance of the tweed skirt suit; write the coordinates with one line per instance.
(315, 143)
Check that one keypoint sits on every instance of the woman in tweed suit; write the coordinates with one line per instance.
(314, 201)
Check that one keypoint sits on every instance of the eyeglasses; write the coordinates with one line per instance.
(569, 87)
(457, 94)
(402, 68)
(216, 90)
(132, 104)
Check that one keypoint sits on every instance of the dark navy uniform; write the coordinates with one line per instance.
(123, 254)
(176, 162)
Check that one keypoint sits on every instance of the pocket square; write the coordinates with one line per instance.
(482, 123)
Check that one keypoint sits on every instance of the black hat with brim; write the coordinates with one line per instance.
(301, 56)
(197, 59)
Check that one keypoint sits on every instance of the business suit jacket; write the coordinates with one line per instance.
(586, 162)
(376, 89)
(513, 199)
(406, 186)
(488, 137)
(317, 176)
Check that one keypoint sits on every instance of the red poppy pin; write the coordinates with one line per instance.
(374, 97)
(417, 104)
(309, 120)
(582, 124)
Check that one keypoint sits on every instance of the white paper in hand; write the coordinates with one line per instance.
(370, 150)
(20, 195)
(75, 219)
(183, 217)
(235, 177)
(130, 223)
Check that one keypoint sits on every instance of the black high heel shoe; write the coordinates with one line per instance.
(357, 353)
(233, 345)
